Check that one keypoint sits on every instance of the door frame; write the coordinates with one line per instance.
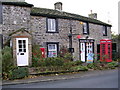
(85, 41)
(27, 52)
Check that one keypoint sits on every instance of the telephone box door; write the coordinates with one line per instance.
(106, 50)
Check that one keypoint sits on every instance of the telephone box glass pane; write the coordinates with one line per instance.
(109, 51)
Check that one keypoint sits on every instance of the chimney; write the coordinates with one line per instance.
(93, 15)
(58, 6)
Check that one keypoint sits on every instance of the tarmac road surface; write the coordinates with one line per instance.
(107, 79)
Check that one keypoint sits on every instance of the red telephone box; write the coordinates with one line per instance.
(106, 50)
(43, 52)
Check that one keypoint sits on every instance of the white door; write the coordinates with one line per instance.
(22, 51)
(82, 52)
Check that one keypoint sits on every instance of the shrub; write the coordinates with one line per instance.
(112, 64)
(65, 54)
(37, 56)
(54, 61)
(67, 65)
(7, 61)
(58, 61)
(63, 51)
(80, 68)
(35, 62)
(91, 66)
(36, 51)
(67, 57)
(18, 73)
(78, 62)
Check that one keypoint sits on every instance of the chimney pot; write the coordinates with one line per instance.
(93, 15)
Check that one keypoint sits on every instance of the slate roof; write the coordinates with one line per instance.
(65, 15)
(55, 13)
(17, 4)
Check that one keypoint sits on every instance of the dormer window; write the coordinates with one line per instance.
(85, 28)
(51, 25)
(104, 31)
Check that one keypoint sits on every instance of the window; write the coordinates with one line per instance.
(51, 25)
(52, 49)
(1, 14)
(22, 45)
(85, 28)
(104, 31)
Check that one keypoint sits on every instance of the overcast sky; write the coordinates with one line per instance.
(105, 9)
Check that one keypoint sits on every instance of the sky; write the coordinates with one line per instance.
(107, 10)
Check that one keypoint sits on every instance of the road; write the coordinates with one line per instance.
(108, 79)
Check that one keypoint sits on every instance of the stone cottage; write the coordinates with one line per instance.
(24, 25)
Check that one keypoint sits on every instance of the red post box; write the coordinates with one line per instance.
(106, 50)
(43, 52)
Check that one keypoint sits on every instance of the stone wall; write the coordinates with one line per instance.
(40, 37)
(14, 18)
(97, 35)
(17, 17)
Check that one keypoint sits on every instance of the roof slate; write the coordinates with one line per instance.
(55, 13)
(17, 4)
(65, 15)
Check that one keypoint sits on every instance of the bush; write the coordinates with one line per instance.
(37, 56)
(80, 68)
(91, 66)
(78, 62)
(36, 51)
(68, 65)
(18, 73)
(63, 51)
(54, 61)
(7, 61)
(67, 57)
(35, 62)
(65, 54)
(112, 64)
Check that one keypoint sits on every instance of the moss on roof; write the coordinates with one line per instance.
(17, 4)
(61, 14)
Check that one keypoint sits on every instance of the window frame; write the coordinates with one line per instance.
(104, 30)
(56, 49)
(55, 30)
(86, 32)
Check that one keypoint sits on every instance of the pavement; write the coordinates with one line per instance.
(55, 77)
